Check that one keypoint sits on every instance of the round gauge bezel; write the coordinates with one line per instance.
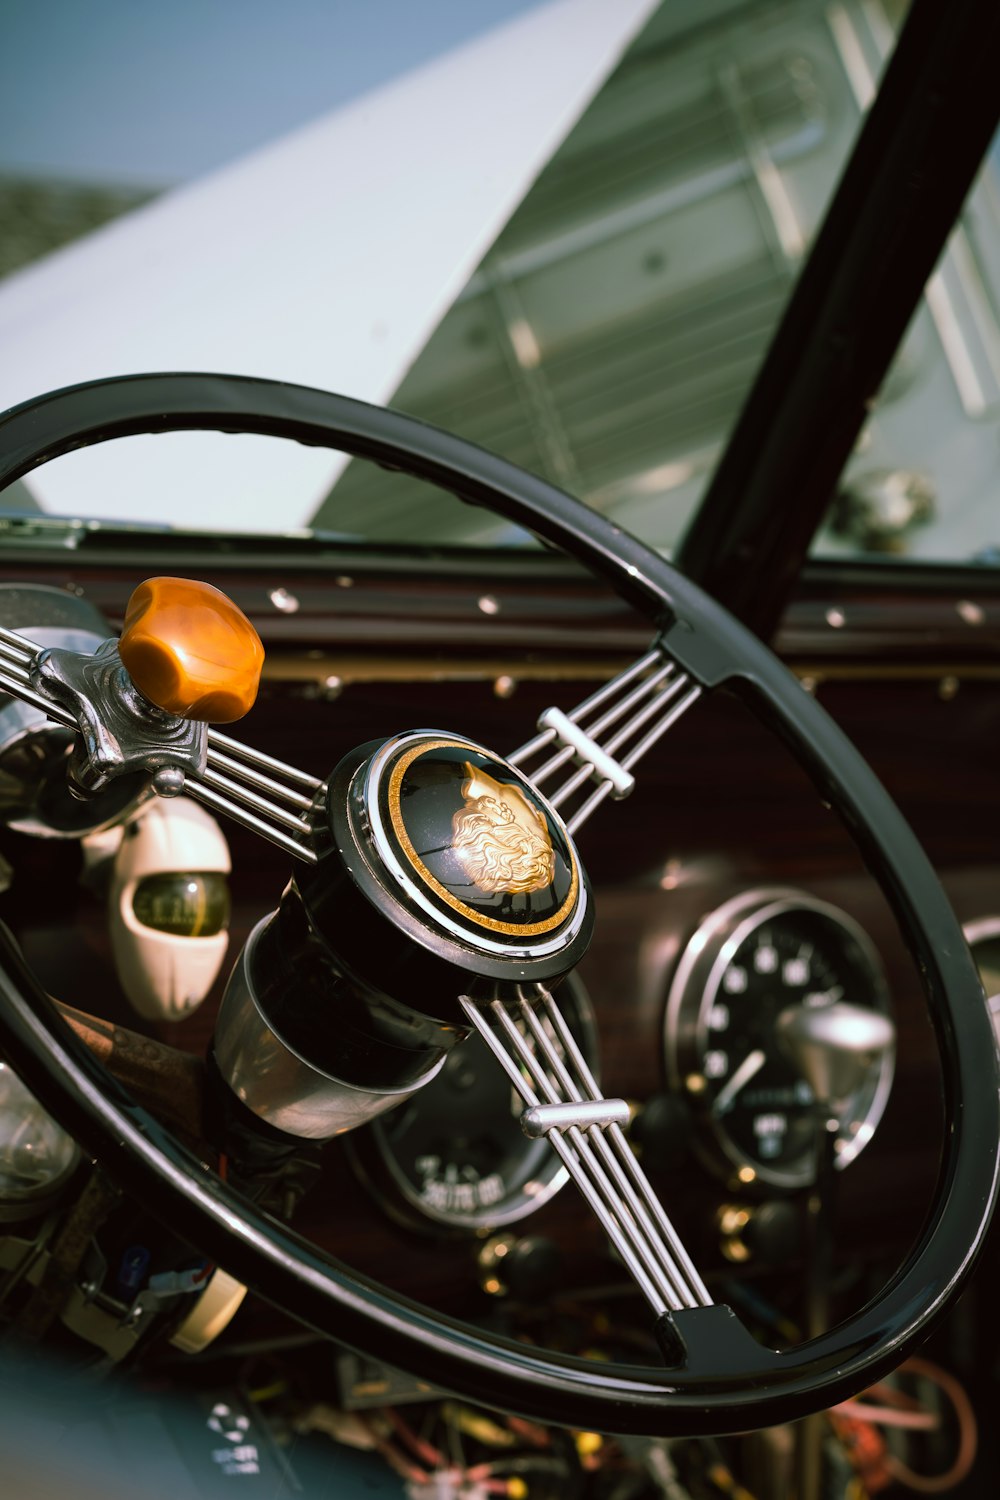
(375, 1159)
(979, 931)
(694, 989)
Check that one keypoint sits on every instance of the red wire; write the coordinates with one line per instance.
(425, 1451)
(902, 1411)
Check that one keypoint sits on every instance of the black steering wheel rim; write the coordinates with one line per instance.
(758, 1387)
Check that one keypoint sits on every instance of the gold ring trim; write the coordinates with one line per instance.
(512, 929)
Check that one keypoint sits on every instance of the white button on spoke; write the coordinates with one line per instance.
(643, 702)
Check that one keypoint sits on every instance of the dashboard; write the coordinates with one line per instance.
(733, 909)
(729, 901)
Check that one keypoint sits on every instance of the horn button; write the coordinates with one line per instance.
(456, 847)
(473, 837)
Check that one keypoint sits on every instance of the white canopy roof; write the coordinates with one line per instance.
(327, 259)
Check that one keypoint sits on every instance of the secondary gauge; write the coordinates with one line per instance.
(454, 1154)
(750, 960)
(983, 937)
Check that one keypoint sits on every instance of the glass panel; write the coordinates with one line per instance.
(182, 902)
(922, 484)
(611, 333)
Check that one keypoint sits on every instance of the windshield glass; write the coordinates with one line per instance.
(921, 484)
(608, 336)
(611, 333)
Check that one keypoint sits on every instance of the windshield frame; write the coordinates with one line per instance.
(914, 161)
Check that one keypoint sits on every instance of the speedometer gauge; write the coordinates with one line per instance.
(454, 1154)
(752, 959)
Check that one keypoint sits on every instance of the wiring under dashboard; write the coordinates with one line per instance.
(913, 1431)
(449, 1450)
(864, 1424)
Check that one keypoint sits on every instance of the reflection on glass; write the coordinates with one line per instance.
(35, 1152)
(183, 903)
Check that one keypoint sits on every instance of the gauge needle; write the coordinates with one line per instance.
(751, 1065)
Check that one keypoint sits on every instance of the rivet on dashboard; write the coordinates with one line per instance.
(489, 605)
(333, 686)
(972, 614)
(504, 686)
(947, 688)
(695, 1083)
(836, 619)
(282, 599)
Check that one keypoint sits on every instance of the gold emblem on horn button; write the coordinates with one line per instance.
(486, 849)
(500, 841)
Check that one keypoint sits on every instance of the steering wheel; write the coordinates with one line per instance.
(717, 1377)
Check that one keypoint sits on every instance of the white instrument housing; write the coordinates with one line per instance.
(166, 975)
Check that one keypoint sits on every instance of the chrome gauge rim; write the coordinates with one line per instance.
(693, 993)
(983, 937)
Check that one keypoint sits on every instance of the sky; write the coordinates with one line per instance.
(155, 92)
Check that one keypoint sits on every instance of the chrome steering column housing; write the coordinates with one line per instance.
(446, 873)
(442, 875)
(278, 1083)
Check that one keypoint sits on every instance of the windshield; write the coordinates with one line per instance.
(608, 336)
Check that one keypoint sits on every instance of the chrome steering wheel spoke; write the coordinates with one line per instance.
(536, 1049)
(273, 799)
(18, 656)
(590, 750)
(596, 754)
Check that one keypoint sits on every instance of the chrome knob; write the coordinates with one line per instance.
(834, 1046)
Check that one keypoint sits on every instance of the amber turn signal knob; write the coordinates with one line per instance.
(189, 650)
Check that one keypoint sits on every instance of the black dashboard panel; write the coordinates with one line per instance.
(720, 809)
